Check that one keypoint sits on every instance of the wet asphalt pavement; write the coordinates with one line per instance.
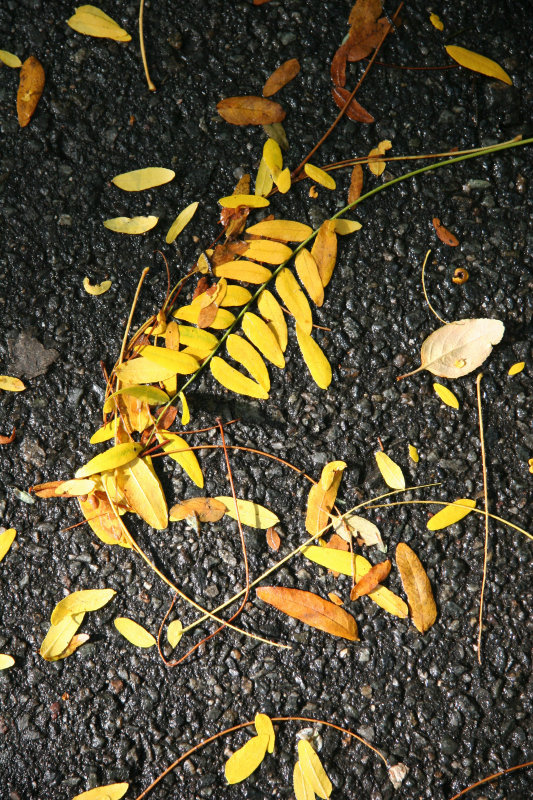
(111, 712)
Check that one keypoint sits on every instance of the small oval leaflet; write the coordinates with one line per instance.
(446, 395)
(91, 21)
(10, 59)
(295, 300)
(319, 176)
(516, 368)
(250, 110)
(183, 219)
(250, 513)
(246, 354)
(268, 251)
(391, 472)
(134, 632)
(281, 77)
(316, 361)
(230, 378)
(174, 633)
(347, 226)
(451, 514)
(313, 770)
(85, 600)
(30, 89)
(436, 22)
(97, 288)
(478, 63)
(262, 337)
(246, 759)
(113, 791)
(131, 225)
(115, 457)
(6, 540)
(263, 726)
(179, 450)
(140, 179)
(6, 661)
(10, 384)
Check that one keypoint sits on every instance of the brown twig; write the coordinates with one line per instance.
(489, 778)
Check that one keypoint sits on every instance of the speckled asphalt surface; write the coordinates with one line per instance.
(111, 712)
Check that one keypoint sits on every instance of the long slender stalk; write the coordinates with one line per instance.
(486, 503)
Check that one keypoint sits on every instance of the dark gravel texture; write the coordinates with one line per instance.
(112, 712)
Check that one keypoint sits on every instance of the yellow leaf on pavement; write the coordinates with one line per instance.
(313, 770)
(183, 219)
(85, 600)
(131, 224)
(242, 270)
(390, 471)
(516, 368)
(250, 513)
(319, 176)
(263, 181)
(197, 341)
(264, 727)
(59, 636)
(346, 226)
(223, 318)
(147, 394)
(10, 60)
(295, 300)
(271, 311)
(262, 337)
(174, 632)
(115, 457)
(307, 270)
(177, 448)
(316, 361)
(417, 588)
(246, 354)
(413, 454)
(6, 661)
(134, 632)
(451, 514)
(113, 791)
(477, 63)
(446, 395)
(322, 497)
(324, 250)
(250, 200)
(6, 540)
(91, 21)
(142, 370)
(230, 378)
(302, 788)
(9, 384)
(143, 492)
(97, 288)
(103, 520)
(246, 759)
(436, 22)
(285, 230)
(139, 179)
(181, 363)
(268, 251)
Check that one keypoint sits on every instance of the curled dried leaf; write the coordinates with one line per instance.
(354, 110)
(96, 289)
(30, 89)
(444, 234)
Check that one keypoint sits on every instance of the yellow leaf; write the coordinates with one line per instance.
(235, 381)
(330, 473)
(313, 770)
(249, 200)
(250, 513)
(307, 270)
(273, 157)
(478, 63)
(113, 791)
(174, 633)
(139, 179)
(115, 457)
(6, 540)
(271, 311)
(264, 727)
(104, 520)
(198, 341)
(376, 165)
(450, 514)
(191, 313)
(6, 661)
(185, 413)
(142, 370)
(316, 361)
(246, 759)
(147, 394)
(181, 363)
(268, 251)
(177, 448)
(106, 432)
(446, 395)
(319, 176)
(97, 288)
(285, 230)
(243, 352)
(345, 226)
(263, 181)
(302, 788)
(91, 21)
(10, 60)
(516, 368)
(242, 270)
(143, 492)
(283, 181)
(391, 472)
(75, 487)
(59, 636)
(260, 334)
(131, 224)
(417, 588)
(134, 632)
(76, 642)
(183, 219)
(236, 296)
(86, 600)
(413, 454)
(294, 299)
(324, 250)
(322, 498)
(9, 384)
(436, 22)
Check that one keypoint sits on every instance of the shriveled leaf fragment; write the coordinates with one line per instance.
(91, 21)
(250, 513)
(302, 788)
(307, 270)
(230, 378)
(183, 219)
(273, 539)
(30, 89)
(459, 347)
(356, 183)
(295, 300)
(436, 22)
(281, 77)
(322, 497)
(478, 63)
(335, 599)
(313, 770)
(324, 250)
(413, 454)
(262, 337)
(250, 110)
(77, 640)
(347, 226)
(319, 176)
(316, 361)
(516, 368)
(6, 540)
(6, 661)
(97, 288)
(207, 509)
(85, 600)
(268, 251)
(8, 439)
(264, 727)
(246, 354)
(143, 491)
(376, 165)
(354, 110)
(286, 230)
(178, 449)
(451, 514)
(246, 759)
(9, 384)
(134, 632)
(59, 636)
(276, 131)
(115, 457)
(271, 311)
(10, 60)
(417, 588)
(131, 224)
(113, 791)
(446, 395)
(353, 525)
(311, 609)
(242, 270)
(391, 472)
(444, 234)
(140, 179)
(369, 581)
(397, 773)
(174, 632)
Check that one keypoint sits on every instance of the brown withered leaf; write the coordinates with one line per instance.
(354, 110)
(281, 77)
(201, 286)
(311, 609)
(207, 509)
(30, 89)
(444, 234)
(369, 581)
(417, 588)
(169, 415)
(8, 439)
(337, 543)
(250, 110)
(356, 183)
(227, 252)
(273, 539)
(207, 315)
(46, 490)
(338, 66)
(366, 29)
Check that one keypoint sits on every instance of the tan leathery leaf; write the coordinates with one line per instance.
(324, 250)
(307, 271)
(30, 89)
(354, 110)
(76, 602)
(281, 77)
(310, 609)
(271, 311)
(314, 357)
(246, 354)
(356, 184)
(207, 509)
(246, 759)
(262, 337)
(371, 580)
(294, 299)
(313, 770)
(417, 588)
(250, 110)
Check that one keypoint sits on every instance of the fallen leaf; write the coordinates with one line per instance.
(85, 600)
(147, 394)
(77, 640)
(30, 89)
(183, 219)
(391, 472)
(246, 759)
(324, 250)
(271, 311)
(376, 165)
(273, 539)
(436, 22)
(353, 524)
(347, 226)
(143, 491)
(281, 77)
(250, 513)
(230, 378)
(451, 514)
(276, 131)
(313, 770)
(207, 509)
(354, 110)
(113, 791)
(335, 599)
(268, 251)
(198, 342)
(242, 270)
(9, 384)
(103, 520)
(322, 497)
(338, 65)
(262, 337)
(246, 354)
(134, 632)
(91, 21)
(444, 234)
(115, 457)
(286, 230)
(131, 225)
(477, 63)
(59, 636)
(263, 180)
(413, 454)
(250, 110)
(181, 363)
(516, 368)
(295, 300)
(446, 395)
(140, 179)
(417, 588)
(6, 540)
(138, 371)
(10, 60)
(264, 727)
(6, 661)
(319, 176)
(356, 183)
(174, 633)
(311, 609)
(8, 439)
(369, 581)
(302, 787)
(177, 448)
(96, 289)
(366, 29)
(307, 270)
(314, 357)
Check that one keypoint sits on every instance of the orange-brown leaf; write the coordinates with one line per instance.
(354, 110)
(273, 539)
(338, 66)
(169, 415)
(324, 250)
(444, 234)
(30, 89)
(207, 315)
(207, 509)
(250, 110)
(8, 439)
(335, 599)
(281, 77)
(372, 578)
(417, 588)
(311, 609)
(336, 542)
(356, 183)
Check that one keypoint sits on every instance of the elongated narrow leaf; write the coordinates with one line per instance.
(143, 491)
(371, 580)
(356, 183)
(295, 300)
(134, 632)
(347, 226)
(250, 110)
(271, 311)
(324, 250)
(262, 337)
(248, 200)
(316, 361)
(250, 513)
(246, 759)
(91, 21)
(320, 176)
(302, 788)
(311, 609)
(230, 378)
(131, 225)
(140, 179)
(191, 313)
(446, 395)
(146, 394)
(115, 457)
(103, 520)
(10, 384)
(31, 86)
(392, 474)
(268, 251)
(281, 77)
(322, 497)
(113, 791)
(285, 230)
(58, 636)
(313, 770)
(264, 727)
(6, 662)
(451, 514)
(179, 450)
(354, 110)
(181, 363)
(242, 270)
(246, 354)
(307, 270)
(6, 540)
(207, 509)
(142, 370)
(183, 219)
(417, 588)
(478, 63)
(263, 181)
(10, 59)
(85, 600)
(174, 632)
